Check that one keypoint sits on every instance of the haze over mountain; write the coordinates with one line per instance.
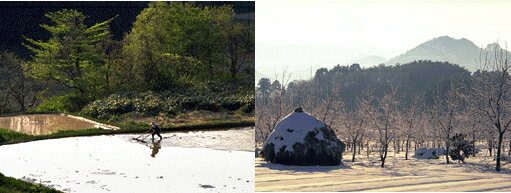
(458, 51)
(302, 62)
(370, 60)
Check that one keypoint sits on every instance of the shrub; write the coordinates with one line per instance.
(248, 108)
(461, 148)
(231, 103)
(65, 103)
(113, 105)
(152, 104)
(148, 103)
(170, 106)
(209, 106)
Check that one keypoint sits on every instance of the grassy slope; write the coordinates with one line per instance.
(12, 185)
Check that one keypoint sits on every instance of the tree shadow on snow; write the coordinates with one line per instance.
(303, 168)
(483, 167)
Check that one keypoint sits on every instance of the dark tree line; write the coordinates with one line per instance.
(419, 78)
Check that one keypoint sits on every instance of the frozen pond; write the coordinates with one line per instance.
(118, 164)
(40, 124)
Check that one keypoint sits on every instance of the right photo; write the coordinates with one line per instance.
(385, 96)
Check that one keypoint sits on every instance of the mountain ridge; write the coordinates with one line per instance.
(447, 49)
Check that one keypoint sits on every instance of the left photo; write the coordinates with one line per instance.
(127, 96)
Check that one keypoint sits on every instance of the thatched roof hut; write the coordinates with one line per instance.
(302, 139)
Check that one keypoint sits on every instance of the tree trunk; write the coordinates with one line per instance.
(447, 152)
(359, 147)
(398, 146)
(509, 151)
(367, 148)
(354, 152)
(384, 156)
(499, 147)
(474, 138)
(394, 144)
(406, 148)
(490, 148)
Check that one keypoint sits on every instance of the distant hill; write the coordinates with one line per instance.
(447, 49)
(370, 61)
(302, 61)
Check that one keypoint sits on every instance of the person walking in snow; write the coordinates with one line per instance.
(156, 130)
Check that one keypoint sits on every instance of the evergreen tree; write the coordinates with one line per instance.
(264, 86)
(70, 57)
(276, 87)
(461, 148)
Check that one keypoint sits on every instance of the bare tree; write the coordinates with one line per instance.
(384, 118)
(365, 103)
(494, 91)
(447, 115)
(412, 118)
(19, 88)
(329, 108)
(353, 123)
(268, 114)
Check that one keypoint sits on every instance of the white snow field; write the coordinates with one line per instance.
(118, 164)
(365, 174)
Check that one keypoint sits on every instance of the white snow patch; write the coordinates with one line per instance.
(425, 153)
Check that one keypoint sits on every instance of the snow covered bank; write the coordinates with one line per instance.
(302, 139)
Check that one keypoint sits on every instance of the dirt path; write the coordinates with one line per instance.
(399, 175)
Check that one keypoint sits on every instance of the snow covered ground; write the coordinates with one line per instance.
(365, 174)
(118, 164)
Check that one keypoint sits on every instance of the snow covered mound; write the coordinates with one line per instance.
(425, 153)
(302, 139)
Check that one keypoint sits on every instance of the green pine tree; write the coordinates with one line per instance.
(71, 56)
